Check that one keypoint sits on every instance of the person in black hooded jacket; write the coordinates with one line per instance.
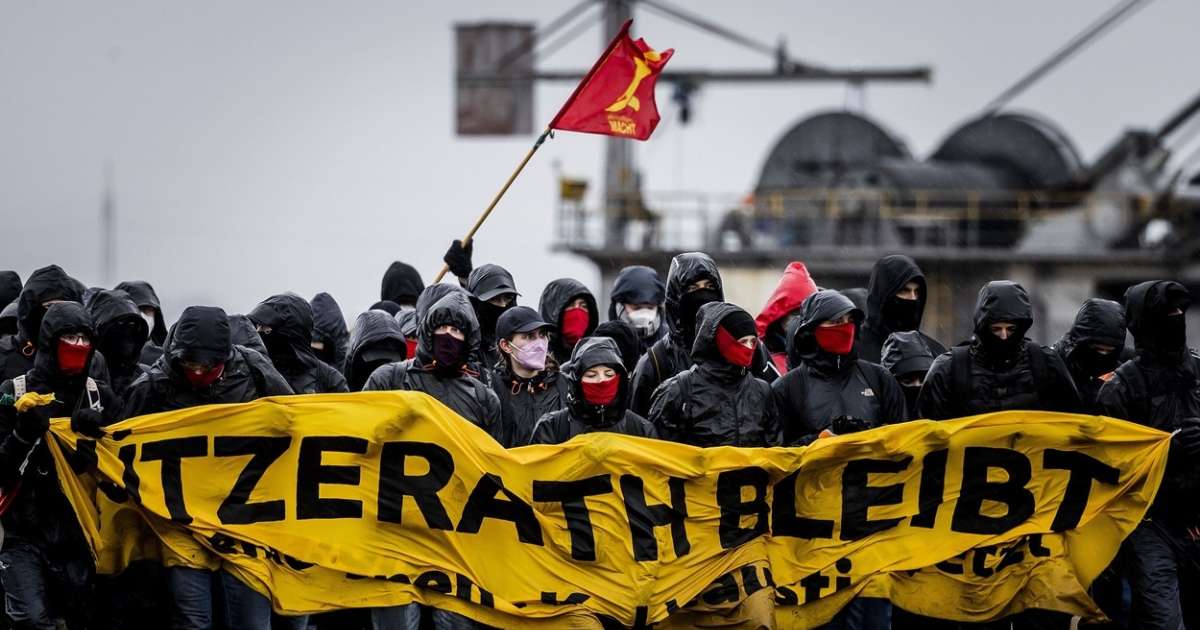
(717, 401)
(908, 357)
(1160, 388)
(401, 284)
(627, 339)
(45, 287)
(692, 281)
(1000, 370)
(449, 336)
(331, 337)
(10, 287)
(637, 299)
(829, 387)
(121, 332)
(597, 397)
(527, 388)
(147, 302)
(571, 308)
(896, 298)
(377, 341)
(47, 563)
(285, 324)
(493, 292)
(1093, 348)
(8, 323)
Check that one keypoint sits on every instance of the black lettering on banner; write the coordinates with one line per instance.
(785, 596)
(1035, 547)
(812, 586)
(644, 518)
(785, 521)
(170, 453)
(463, 587)
(722, 591)
(571, 495)
(128, 454)
(750, 582)
(1083, 469)
(572, 599)
(733, 507)
(236, 509)
(483, 504)
(858, 497)
(933, 487)
(979, 561)
(1012, 555)
(394, 484)
(951, 567)
(311, 474)
(968, 512)
(435, 581)
(223, 543)
(843, 565)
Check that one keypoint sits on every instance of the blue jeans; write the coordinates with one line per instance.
(26, 587)
(407, 617)
(247, 609)
(191, 593)
(192, 603)
(864, 613)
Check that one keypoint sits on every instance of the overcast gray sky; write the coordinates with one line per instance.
(290, 145)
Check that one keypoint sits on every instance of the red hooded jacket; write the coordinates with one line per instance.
(794, 287)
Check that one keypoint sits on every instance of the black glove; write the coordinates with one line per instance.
(458, 258)
(1187, 440)
(33, 423)
(88, 422)
(84, 459)
(846, 425)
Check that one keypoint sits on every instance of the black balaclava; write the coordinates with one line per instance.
(1002, 301)
(1155, 332)
(689, 306)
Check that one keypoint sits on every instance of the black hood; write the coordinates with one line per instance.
(1003, 301)
(560, 293)
(907, 352)
(143, 295)
(372, 328)
(202, 334)
(890, 275)
(8, 319)
(329, 326)
(45, 284)
(821, 306)
(10, 287)
(432, 294)
(686, 269)
(1146, 308)
(1097, 321)
(704, 348)
(453, 309)
(636, 285)
(60, 319)
(407, 320)
(626, 338)
(243, 333)
(589, 353)
(489, 281)
(109, 309)
(289, 316)
(401, 284)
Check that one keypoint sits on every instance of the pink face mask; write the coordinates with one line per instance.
(531, 356)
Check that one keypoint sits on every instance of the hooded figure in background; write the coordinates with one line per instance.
(331, 338)
(637, 299)
(1000, 370)
(829, 388)
(1093, 348)
(717, 401)
(407, 320)
(202, 366)
(571, 308)
(692, 281)
(782, 307)
(147, 302)
(121, 332)
(907, 356)
(376, 342)
(10, 287)
(627, 339)
(45, 286)
(8, 322)
(449, 336)
(47, 562)
(245, 333)
(285, 324)
(597, 397)
(401, 284)
(896, 298)
(858, 295)
(1160, 388)
(493, 292)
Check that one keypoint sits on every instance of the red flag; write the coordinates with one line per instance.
(616, 98)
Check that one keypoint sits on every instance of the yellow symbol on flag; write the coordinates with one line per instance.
(641, 70)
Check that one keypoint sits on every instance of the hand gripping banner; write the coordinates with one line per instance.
(385, 498)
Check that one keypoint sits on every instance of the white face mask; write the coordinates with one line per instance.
(646, 320)
(149, 321)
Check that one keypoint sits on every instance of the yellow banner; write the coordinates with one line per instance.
(385, 498)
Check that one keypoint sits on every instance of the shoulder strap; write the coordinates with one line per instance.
(1039, 369)
(19, 387)
(93, 395)
(657, 369)
(960, 374)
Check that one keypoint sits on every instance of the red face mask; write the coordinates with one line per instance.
(602, 393)
(72, 357)
(835, 339)
(206, 377)
(575, 322)
(412, 347)
(733, 351)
